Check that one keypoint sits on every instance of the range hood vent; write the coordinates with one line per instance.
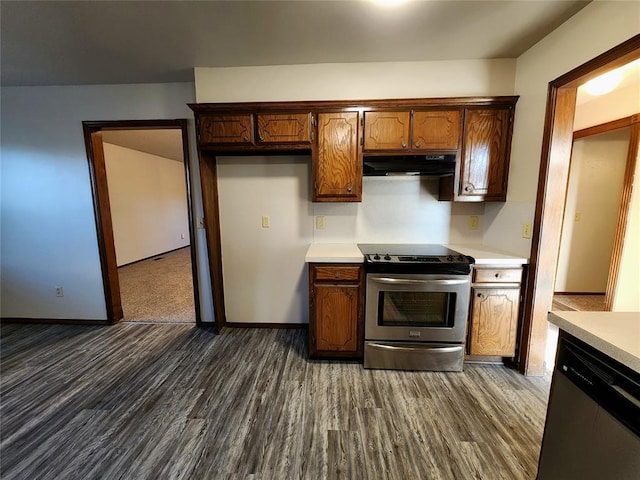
(425, 165)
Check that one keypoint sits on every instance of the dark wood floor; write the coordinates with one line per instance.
(174, 401)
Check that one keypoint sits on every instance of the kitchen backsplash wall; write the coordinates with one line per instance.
(399, 210)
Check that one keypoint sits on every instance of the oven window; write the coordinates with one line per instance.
(416, 309)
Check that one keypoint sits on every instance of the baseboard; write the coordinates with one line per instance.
(578, 293)
(153, 256)
(55, 321)
(265, 325)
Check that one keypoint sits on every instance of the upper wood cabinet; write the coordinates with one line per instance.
(411, 131)
(226, 129)
(284, 128)
(386, 130)
(337, 162)
(435, 130)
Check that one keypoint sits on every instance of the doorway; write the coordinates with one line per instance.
(594, 191)
(554, 170)
(142, 201)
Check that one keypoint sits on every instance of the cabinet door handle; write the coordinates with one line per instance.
(261, 138)
(404, 144)
(498, 275)
(349, 188)
(337, 275)
(417, 144)
(481, 295)
(246, 138)
(468, 188)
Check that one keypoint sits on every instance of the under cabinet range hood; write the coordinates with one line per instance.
(434, 165)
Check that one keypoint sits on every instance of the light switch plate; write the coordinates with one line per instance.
(266, 221)
(526, 230)
(320, 222)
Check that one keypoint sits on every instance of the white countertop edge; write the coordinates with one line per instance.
(484, 255)
(333, 253)
(597, 341)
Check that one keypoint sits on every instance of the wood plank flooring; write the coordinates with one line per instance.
(175, 401)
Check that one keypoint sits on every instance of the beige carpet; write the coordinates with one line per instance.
(580, 303)
(158, 290)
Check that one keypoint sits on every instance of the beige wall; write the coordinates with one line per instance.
(601, 25)
(148, 198)
(352, 81)
(595, 184)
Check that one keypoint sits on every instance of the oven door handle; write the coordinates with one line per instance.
(413, 281)
(382, 346)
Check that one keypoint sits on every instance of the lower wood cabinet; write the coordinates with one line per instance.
(495, 307)
(336, 300)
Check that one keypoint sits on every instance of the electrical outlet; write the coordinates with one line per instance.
(320, 222)
(577, 217)
(526, 230)
(474, 222)
(59, 292)
(266, 221)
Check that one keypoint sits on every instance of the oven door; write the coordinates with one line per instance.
(416, 308)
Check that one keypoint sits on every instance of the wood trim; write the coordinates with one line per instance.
(578, 293)
(623, 216)
(391, 104)
(104, 227)
(56, 321)
(266, 325)
(606, 127)
(210, 205)
(554, 166)
(102, 210)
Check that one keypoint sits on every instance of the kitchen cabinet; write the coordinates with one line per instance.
(336, 317)
(337, 160)
(483, 168)
(284, 128)
(495, 306)
(222, 129)
(411, 131)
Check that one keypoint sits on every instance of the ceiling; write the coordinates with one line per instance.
(106, 42)
(163, 142)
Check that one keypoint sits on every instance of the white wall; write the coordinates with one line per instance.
(48, 225)
(148, 199)
(265, 276)
(264, 271)
(595, 184)
(599, 26)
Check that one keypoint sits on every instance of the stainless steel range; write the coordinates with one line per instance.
(416, 307)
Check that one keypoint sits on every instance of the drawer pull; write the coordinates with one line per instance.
(498, 275)
(337, 274)
(481, 295)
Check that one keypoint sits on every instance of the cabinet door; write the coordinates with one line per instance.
(336, 318)
(284, 128)
(435, 130)
(226, 129)
(485, 160)
(386, 130)
(337, 163)
(494, 321)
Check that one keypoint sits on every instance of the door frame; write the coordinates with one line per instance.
(631, 122)
(102, 209)
(557, 142)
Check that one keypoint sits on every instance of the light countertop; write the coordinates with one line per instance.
(616, 334)
(489, 256)
(349, 253)
(334, 253)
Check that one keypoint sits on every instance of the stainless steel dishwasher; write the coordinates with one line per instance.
(593, 420)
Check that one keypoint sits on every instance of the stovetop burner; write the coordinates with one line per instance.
(414, 258)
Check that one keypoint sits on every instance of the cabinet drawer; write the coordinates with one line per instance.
(284, 128)
(226, 129)
(337, 273)
(497, 275)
